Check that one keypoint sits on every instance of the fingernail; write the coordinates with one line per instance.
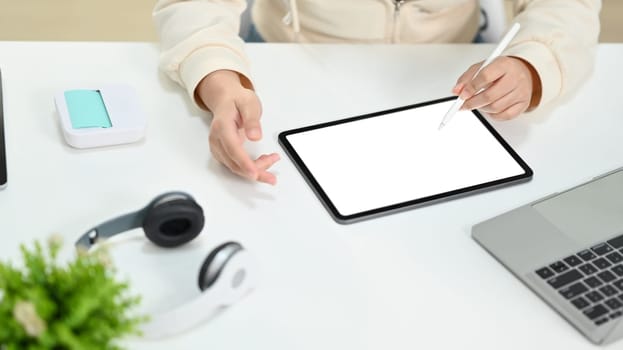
(253, 133)
(457, 88)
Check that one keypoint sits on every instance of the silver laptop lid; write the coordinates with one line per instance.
(558, 227)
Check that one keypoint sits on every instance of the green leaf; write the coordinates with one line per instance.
(80, 303)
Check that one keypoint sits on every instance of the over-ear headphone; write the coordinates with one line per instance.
(172, 219)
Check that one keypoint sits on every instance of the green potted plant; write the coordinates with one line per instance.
(76, 305)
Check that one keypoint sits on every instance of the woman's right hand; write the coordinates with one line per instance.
(236, 114)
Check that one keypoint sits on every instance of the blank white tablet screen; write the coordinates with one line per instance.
(394, 158)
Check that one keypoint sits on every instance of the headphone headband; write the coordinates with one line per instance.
(111, 228)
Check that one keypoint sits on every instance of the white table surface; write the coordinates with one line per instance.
(412, 280)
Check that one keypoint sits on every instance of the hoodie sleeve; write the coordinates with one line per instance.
(558, 37)
(198, 38)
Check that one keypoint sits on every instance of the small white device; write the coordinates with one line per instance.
(104, 116)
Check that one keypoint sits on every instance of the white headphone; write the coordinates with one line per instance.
(227, 274)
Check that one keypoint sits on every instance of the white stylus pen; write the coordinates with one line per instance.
(498, 50)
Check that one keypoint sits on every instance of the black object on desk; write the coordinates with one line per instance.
(3, 171)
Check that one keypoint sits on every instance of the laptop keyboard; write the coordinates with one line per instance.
(591, 280)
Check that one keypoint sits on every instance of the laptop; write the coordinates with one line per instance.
(568, 248)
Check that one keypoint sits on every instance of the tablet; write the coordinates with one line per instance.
(383, 162)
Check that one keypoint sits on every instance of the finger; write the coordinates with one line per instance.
(231, 143)
(263, 175)
(240, 161)
(265, 161)
(456, 90)
(226, 160)
(267, 177)
(250, 111)
(482, 80)
(490, 95)
(220, 129)
(501, 104)
(504, 102)
(215, 147)
(511, 112)
(465, 78)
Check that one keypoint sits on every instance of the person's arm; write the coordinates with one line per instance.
(550, 56)
(201, 50)
(198, 38)
(558, 39)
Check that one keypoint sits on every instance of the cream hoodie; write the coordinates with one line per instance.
(200, 36)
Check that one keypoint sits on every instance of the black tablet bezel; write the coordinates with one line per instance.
(345, 219)
(3, 170)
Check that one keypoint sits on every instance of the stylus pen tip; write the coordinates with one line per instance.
(441, 126)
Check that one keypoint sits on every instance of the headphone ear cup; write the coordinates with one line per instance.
(238, 274)
(215, 262)
(174, 222)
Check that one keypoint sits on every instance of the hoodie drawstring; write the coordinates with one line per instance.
(292, 17)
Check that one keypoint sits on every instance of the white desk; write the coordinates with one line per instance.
(413, 280)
